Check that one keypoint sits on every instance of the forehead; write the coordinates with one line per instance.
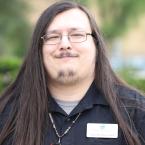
(73, 18)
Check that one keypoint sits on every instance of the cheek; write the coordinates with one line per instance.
(90, 52)
(47, 52)
(47, 49)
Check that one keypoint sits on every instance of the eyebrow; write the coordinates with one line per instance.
(58, 31)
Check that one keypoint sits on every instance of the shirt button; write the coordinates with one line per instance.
(68, 119)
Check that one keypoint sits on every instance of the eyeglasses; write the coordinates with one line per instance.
(74, 37)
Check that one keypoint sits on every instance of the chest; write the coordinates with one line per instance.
(77, 135)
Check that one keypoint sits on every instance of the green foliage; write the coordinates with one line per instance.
(84, 2)
(8, 71)
(119, 15)
(14, 29)
(129, 75)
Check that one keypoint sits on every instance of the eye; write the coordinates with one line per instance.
(52, 37)
(77, 34)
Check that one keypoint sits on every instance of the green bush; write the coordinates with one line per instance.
(129, 75)
(8, 71)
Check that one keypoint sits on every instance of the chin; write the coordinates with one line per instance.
(67, 77)
(68, 81)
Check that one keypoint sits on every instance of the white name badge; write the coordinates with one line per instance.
(101, 130)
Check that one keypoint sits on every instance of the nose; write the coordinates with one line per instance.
(65, 43)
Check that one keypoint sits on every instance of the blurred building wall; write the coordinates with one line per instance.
(36, 8)
(134, 40)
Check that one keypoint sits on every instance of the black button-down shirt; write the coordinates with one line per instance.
(95, 109)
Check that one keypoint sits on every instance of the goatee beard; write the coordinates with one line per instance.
(68, 77)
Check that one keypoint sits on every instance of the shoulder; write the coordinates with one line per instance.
(134, 104)
(131, 98)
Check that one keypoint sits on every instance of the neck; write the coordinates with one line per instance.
(74, 92)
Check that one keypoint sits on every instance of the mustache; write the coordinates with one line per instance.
(66, 54)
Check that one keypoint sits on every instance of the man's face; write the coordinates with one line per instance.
(68, 62)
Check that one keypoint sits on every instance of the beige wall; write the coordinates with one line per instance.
(37, 7)
(134, 40)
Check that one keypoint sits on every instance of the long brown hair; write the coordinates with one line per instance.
(28, 94)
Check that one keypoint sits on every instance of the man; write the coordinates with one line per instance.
(66, 93)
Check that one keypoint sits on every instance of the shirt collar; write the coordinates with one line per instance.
(91, 98)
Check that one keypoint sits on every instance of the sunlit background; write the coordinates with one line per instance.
(122, 23)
